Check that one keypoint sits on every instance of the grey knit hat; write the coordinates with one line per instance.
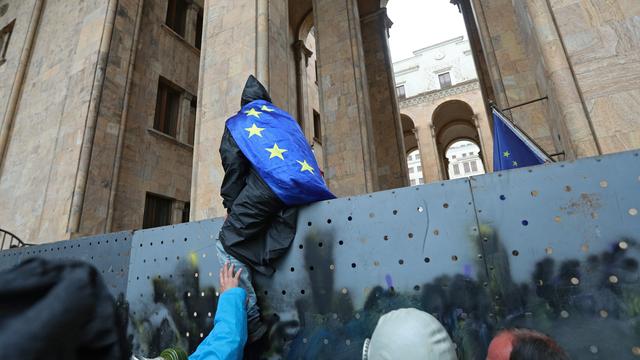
(409, 334)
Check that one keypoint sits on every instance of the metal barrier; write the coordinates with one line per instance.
(554, 248)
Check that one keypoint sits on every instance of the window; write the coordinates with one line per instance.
(456, 169)
(445, 80)
(453, 156)
(185, 212)
(411, 170)
(5, 37)
(420, 181)
(464, 154)
(317, 127)
(167, 108)
(157, 211)
(315, 66)
(413, 182)
(199, 23)
(177, 16)
(474, 166)
(420, 168)
(191, 128)
(410, 157)
(400, 91)
(466, 168)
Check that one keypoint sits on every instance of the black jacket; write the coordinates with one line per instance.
(259, 227)
(58, 310)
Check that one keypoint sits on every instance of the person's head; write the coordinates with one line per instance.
(253, 90)
(524, 344)
(409, 334)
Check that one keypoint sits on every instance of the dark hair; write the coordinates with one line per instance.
(533, 345)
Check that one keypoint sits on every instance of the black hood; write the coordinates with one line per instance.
(253, 90)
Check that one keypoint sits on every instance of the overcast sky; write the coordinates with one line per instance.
(420, 23)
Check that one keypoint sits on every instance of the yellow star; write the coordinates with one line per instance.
(265, 108)
(253, 112)
(276, 152)
(305, 166)
(254, 130)
(506, 154)
(515, 163)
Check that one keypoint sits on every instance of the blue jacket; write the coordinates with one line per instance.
(226, 340)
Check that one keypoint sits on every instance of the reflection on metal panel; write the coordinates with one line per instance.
(554, 248)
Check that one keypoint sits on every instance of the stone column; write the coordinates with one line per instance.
(176, 211)
(231, 51)
(184, 117)
(349, 154)
(302, 55)
(191, 23)
(387, 126)
(483, 146)
(436, 152)
(562, 88)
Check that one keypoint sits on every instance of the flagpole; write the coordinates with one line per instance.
(494, 107)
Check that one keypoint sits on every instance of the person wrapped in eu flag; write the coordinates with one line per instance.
(269, 169)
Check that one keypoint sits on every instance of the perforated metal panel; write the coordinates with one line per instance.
(554, 248)
(109, 253)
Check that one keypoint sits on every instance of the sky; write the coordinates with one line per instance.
(420, 23)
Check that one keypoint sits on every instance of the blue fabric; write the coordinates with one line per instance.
(227, 339)
(276, 147)
(510, 150)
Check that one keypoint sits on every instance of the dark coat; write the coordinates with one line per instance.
(58, 310)
(259, 227)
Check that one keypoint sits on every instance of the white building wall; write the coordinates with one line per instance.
(419, 73)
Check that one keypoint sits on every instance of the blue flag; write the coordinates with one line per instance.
(276, 147)
(511, 148)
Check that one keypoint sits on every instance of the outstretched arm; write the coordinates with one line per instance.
(236, 168)
(229, 335)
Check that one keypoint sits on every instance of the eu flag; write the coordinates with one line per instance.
(276, 147)
(511, 148)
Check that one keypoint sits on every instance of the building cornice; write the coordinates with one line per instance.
(439, 94)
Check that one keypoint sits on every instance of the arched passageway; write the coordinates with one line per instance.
(452, 121)
(463, 157)
(412, 151)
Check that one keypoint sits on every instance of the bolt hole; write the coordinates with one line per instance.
(341, 242)
(353, 265)
(525, 222)
(328, 221)
(427, 260)
(502, 197)
(350, 218)
(395, 212)
(410, 235)
(445, 205)
(454, 258)
(515, 253)
(401, 262)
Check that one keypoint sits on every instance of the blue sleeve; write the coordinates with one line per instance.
(227, 339)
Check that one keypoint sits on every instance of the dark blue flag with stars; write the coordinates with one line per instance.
(276, 147)
(511, 148)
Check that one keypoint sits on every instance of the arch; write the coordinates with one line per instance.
(408, 131)
(305, 26)
(452, 121)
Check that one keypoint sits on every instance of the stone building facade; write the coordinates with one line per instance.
(84, 151)
(440, 104)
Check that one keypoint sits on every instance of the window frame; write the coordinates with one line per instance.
(5, 34)
(165, 87)
(317, 127)
(175, 20)
(445, 84)
(401, 94)
(150, 219)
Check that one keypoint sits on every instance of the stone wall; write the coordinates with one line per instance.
(41, 160)
(152, 161)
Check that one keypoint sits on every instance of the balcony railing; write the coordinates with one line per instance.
(10, 241)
